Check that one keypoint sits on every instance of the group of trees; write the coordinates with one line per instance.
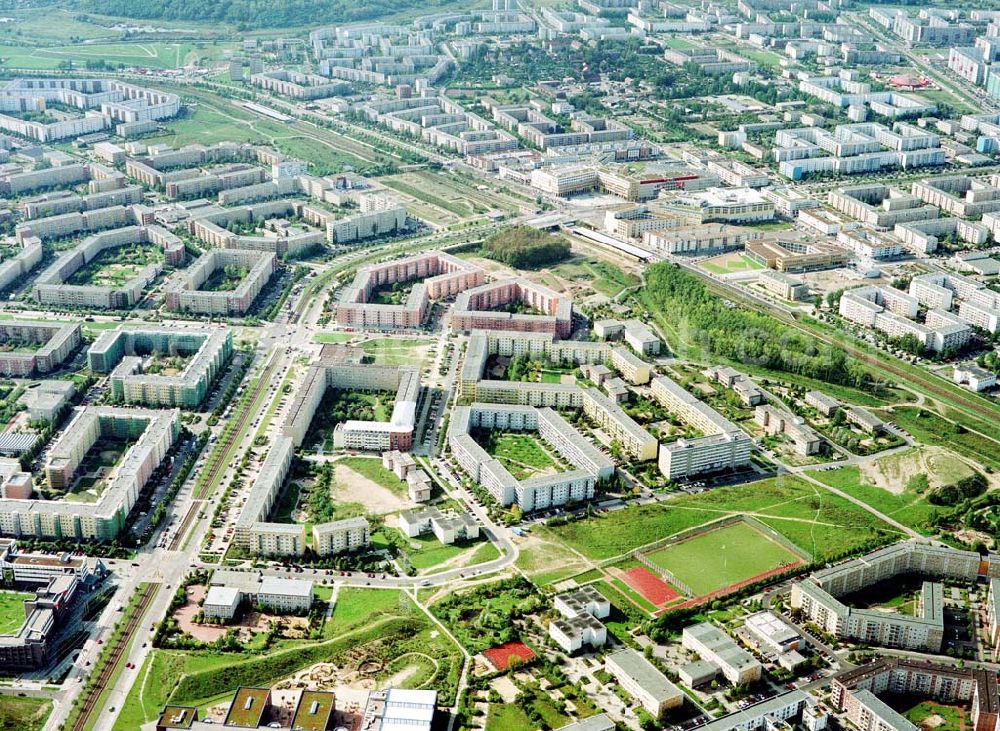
(742, 335)
(247, 14)
(523, 247)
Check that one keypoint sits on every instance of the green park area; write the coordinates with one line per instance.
(813, 519)
(381, 629)
(224, 279)
(728, 263)
(12, 611)
(605, 278)
(722, 557)
(524, 455)
(372, 469)
(24, 714)
(398, 351)
(115, 266)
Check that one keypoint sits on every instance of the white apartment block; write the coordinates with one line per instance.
(643, 681)
(722, 446)
(715, 646)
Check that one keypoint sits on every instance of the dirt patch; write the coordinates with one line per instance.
(940, 465)
(354, 488)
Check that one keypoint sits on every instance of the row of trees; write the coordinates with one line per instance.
(258, 13)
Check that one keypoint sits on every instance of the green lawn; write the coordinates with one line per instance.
(929, 428)
(371, 467)
(722, 557)
(908, 507)
(334, 337)
(511, 717)
(398, 351)
(522, 454)
(24, 714)
(817, 521)
(356, 607)
(12, 610)
(430, 553)
(952, 717)
(156, 55)
(728, 263)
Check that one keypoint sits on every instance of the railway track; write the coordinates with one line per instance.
(192, 511)
(220, 455)
(927, 382)
(115, 655)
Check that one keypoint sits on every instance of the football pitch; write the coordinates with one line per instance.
(722, 557)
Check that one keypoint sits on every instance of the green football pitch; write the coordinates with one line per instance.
(722, 557)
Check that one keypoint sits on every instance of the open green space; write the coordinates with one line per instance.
(426, 552)
(398, 351)
(224, 279)
(367, 627)
(512, 717)
(115, 266)
(813, 519)
(334, 337)
(606, 278)
(24, 714)
(931, 714)
(722, 557)
(522, 454)
(908, 504)
(929, 428)
(148, 54)
(729, 263)
(372, 468)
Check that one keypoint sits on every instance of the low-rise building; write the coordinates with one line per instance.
(712, 644)
(640, 679)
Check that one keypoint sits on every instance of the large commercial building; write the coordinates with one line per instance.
(819, 595)
(153, 432)
(443, 276)
(723, 444)
(54, 342)
(589, 466)
(183, 293)
(123, 353)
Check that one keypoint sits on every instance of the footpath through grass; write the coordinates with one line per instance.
(823, 524)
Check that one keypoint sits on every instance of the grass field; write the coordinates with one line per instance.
(929, 428)
(334, 337)
(511, 717)
(905, 504)
(153, 55)
(398, 351)
(372, 469)
(605, 278)
(427, 552)
(722, 557)
(23, 714)
(813, 519)
(12, 610)
(522, 454)
(731, 263)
